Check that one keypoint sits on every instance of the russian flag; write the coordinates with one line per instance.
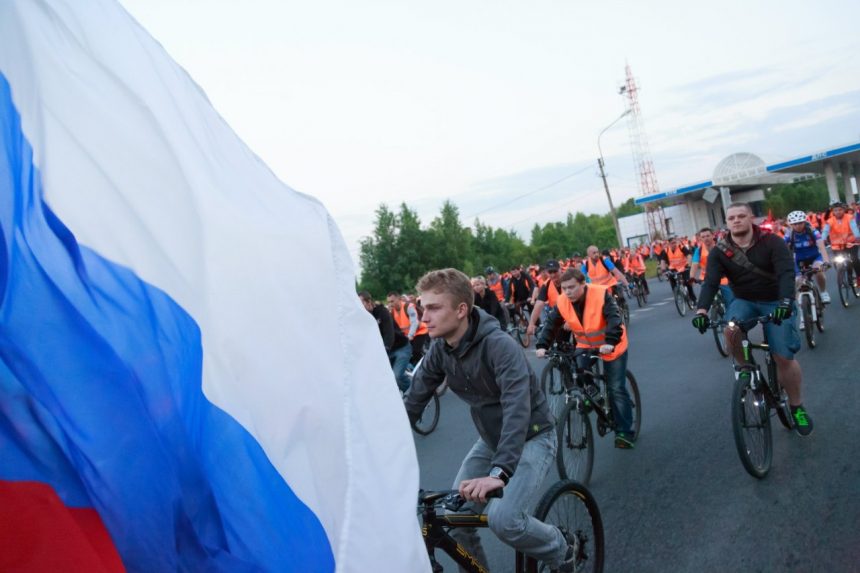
(187, 379)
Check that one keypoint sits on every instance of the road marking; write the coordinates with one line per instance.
(644, 310)
(670, 298)
(661, 303)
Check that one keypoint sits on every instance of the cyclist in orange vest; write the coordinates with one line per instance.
(841, 229)
(601, 270)
(494, 283)
(636, 267)
(405, 316)
(595, 320)
(395, 342)
(675, 257)
(547, 295)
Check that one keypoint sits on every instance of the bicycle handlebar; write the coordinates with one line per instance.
(747, 325)
(450, 498)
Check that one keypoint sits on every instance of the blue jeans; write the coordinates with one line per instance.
(784, 339)
(399, 361)
(728, 295)
(615, 372)
(510, 517)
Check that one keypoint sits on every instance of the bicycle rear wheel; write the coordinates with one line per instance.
(522, 330)
(569, 506)
(680, 301)
(808, 327)
(429, 417)
(751, 428)
(575, 456)
(552, 383)
(852, 281)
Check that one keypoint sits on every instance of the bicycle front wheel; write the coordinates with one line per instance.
(680, 301)
(842, 286)
(717, 314)
(575, 456)
(633, 390)
(569, 506)
(808, 327)
(429, 417)
(751, 427)
(552, 383)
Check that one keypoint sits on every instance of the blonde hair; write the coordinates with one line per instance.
(448, 281)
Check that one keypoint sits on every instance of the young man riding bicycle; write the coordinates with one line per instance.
(760, 269)
(593, 317)
(488, 370)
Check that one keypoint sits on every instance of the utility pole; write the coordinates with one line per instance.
(611, 205)
(600, 163)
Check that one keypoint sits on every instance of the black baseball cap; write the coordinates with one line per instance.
(552, 265)
(490, 271)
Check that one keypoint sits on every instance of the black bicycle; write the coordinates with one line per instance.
(637, 289)
(520, 314)
(621, 301)
(809, 303)
(846, 282)
(576, 393)
(679, 292)
(755, 397)
(567, 505)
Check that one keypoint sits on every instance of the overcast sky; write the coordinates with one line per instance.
(482, 101)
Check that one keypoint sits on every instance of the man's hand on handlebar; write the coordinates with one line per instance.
(540, 352)
(606, 348)
(701, 322)
(478, 488)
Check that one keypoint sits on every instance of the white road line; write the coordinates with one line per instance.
(644, 310)
(670, 298)
(661, 303)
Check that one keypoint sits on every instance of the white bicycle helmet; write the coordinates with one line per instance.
(796, 217)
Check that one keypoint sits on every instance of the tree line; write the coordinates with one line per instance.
(401, 249)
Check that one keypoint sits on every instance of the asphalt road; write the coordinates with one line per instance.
(681, 501)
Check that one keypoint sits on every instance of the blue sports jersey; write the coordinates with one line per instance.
(804, 244)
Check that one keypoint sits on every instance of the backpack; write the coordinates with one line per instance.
(738, 257)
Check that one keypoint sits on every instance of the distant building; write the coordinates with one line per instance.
(741, 177)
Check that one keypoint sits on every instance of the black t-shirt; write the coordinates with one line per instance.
(392, 337)
(522, 287)
(769, 253)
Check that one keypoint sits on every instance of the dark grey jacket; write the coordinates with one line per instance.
(489, 371)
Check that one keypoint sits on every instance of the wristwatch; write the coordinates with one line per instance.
(499, 473)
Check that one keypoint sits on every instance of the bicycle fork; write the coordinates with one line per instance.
(813, 307)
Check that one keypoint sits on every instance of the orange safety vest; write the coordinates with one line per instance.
(644, 250)
(591, 331)
(498, 290)
(636, 264)
(840, 232)
(677, 259)
(703, 264)
(552, 294)
(658, 249)
(402, 319)
(599, 274)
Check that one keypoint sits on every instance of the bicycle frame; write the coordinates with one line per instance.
(434, 528)
(770, 384)
(575, 385)
(808, 289)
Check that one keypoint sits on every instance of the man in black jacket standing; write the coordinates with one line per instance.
(760, 269)
(485, 367)
(396, 344)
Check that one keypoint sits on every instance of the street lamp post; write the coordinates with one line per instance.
(600, 163)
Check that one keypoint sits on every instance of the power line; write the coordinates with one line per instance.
(555, 208)
(532, 192)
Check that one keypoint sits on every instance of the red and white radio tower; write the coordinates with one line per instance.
(642, 157)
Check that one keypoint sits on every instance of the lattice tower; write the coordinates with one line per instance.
(642, 157)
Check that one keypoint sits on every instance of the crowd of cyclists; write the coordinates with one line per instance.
(461, 322)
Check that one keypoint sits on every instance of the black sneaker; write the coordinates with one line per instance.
(625, 441)
(802, 421)
(569, 564)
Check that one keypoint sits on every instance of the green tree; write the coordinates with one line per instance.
(629, 208)
(806, 195)
(450, 242)
(378, 253)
